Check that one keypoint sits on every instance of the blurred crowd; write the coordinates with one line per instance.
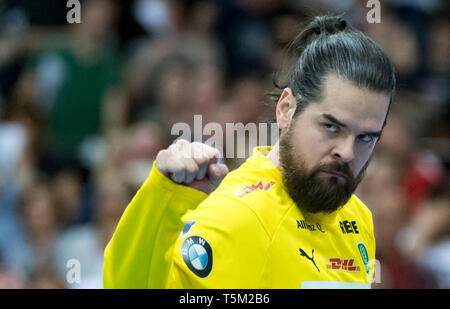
(85, 108)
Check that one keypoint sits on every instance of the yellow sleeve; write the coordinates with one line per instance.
(225, 239)
(139, 253)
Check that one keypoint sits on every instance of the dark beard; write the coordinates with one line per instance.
(307, 190)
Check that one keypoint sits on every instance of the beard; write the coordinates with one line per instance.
(307, 190)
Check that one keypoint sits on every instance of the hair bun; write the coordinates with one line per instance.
(320, 25)
(328, 24)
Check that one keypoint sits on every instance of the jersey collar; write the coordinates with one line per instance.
(261, 162)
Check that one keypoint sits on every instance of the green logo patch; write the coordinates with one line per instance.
(365, 256)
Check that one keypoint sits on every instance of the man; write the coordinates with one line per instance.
(287, 217)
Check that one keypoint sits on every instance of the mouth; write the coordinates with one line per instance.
(337, 174)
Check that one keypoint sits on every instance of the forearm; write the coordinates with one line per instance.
(146, 233)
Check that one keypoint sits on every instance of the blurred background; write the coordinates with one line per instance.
(85, 108)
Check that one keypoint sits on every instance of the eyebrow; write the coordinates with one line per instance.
(332, 119)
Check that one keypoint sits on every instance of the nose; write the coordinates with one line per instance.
(344, 150)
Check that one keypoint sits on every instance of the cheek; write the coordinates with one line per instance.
(362, 157)
(309, 146)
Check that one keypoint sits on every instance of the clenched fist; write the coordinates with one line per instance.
(192, 164)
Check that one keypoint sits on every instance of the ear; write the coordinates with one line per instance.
(285, 108)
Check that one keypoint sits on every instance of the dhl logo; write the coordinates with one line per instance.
(259, 186)
(344, 264)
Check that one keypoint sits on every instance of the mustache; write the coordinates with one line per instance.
(335, 167)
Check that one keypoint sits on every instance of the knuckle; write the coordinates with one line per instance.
(196, 144)
(182, 142)
(192, 169)
(172, 148)
(161, 156)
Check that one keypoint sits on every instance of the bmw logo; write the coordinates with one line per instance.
(197, 254)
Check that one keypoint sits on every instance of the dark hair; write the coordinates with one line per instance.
(327, 45)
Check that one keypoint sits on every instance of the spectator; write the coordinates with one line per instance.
(73, 80)
(428, 245)
(36, 250)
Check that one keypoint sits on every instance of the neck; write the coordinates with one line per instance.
(273, 155)
(85, 44)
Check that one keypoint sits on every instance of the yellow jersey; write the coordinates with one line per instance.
(249, 233)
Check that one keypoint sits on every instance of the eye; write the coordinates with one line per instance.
(366, 138)
(331, 128)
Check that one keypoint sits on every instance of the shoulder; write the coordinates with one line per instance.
(221, 237)
(257, 194)
(359, 208)
(225, 215)
(243, 204)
